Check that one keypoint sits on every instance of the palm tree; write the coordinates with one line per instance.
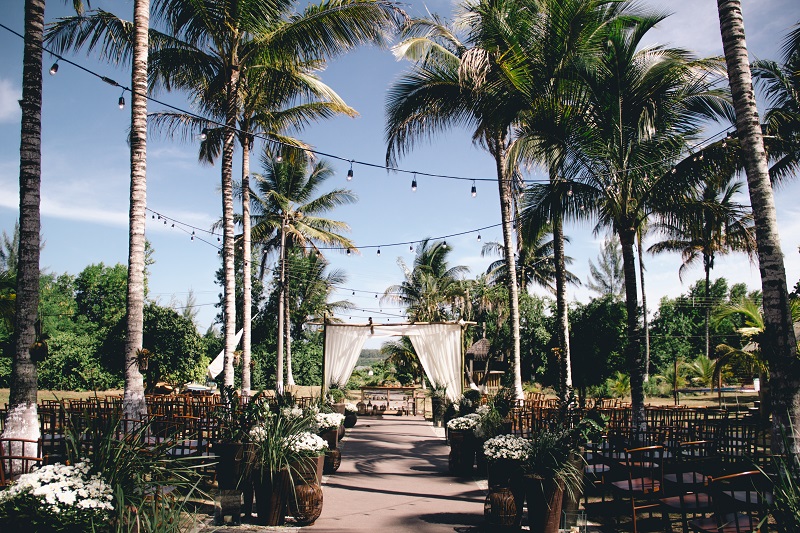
(535, 260)
(275, 99)
(402, 355)
(708, 223)
(21, 419)
(779, 344)
(606, 278)
(469, 83)
(633, 112)
(780, 84)
(204, 51)
(310, 285)
(287, 212)
(431, 289)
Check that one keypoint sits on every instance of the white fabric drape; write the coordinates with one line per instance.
(342, 347)
(216, 366)
(438, 347)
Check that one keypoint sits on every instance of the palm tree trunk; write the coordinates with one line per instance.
(707, 305)
(288, 333)
(247, 276)
(228, 268)
(645, 322)
(133, 404)
(506, 200)
(281, 303)
(779, 344)
(21, 419)
(633, 351)
(562, 319)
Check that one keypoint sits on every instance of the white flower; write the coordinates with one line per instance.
(463, 422)
(306, 443)
(326, 421)
(350, 408)
(482, 410)
(292, 413)
(258, 434)
(506, 447)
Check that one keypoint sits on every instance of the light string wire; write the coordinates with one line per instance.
(689, 150)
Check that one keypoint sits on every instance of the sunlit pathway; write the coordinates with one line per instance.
(393, 477)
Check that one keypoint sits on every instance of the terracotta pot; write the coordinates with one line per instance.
(544, 504)
(338, 407)
(271, 497)
(307, 470)
(331, 436)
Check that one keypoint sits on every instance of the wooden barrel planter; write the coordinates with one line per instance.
(544, 497)
(333, 460)
(305, 502)
(462, 451)
(503, 506)
(271, 496)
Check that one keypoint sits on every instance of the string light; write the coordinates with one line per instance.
(414, 183)
(121, 102)
(474, 190)
(279, 159)
(411, 249)
(444, 245)
(479, 237)
(204, 134)
(54, 68)
(348, 251)
(379, 251)
(569, 192)
(350, 172)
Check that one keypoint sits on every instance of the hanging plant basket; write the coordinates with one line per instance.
(143, 359)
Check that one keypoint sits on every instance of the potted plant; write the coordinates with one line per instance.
(307, 452)
(505, 455)
(462, 444)
(328, 428)
(336, 398)
(350, 415)
(438, 394)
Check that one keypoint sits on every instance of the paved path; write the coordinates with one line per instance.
(393, 478)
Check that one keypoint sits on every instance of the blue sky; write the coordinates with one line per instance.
(85, 173)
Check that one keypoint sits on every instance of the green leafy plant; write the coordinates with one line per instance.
(235, 419)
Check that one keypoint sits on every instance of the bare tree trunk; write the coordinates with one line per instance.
(779, 345)
(645, 321)
(506, 200)
(21, 419)
(281, 303)
(228, 268)
(247, 280)
(707, 305)
(133, 404)
(633, 352)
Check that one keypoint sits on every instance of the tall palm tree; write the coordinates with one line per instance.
(203, 51)
(779, 345)
(21, 419)
(431, 288)
(287, 211)
(535, 260)
(708, 223)
(402, 355)
(310, 285)
(633, 111)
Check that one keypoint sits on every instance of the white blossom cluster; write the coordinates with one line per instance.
(258, 434)
(292, 413)
(326, 421)
(62, 486)
(463, 422)
(306, 443)
(350, 407)
(482, 410)
(507, 447)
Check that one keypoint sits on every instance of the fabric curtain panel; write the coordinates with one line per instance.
(342, 347)
(438, 347)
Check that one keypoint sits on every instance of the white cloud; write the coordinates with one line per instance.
(9, 101)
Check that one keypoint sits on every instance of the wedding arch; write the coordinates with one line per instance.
(438, 346)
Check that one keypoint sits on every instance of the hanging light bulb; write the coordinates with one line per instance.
(219, 240)
(350, 172)
(414, 183)
(479, 237)
(674, 170)
(569, 192)
(165, 221)
(173, 224)
(379, 251)
(54, 68)
(724, 144)
(444, 245)
(348, 251)
(121, 101)
(192, 237)
(354, 293)
(279, 159)
(411, 249)
(204, 134)
(474, 190)
(153, 217)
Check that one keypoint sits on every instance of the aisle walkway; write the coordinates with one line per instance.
(393, 478)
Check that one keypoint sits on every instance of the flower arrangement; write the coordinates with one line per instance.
(292, 412)
(507, 447)
(59, 496)
(350, 408)
(462, 423)
(327, 421)
(306, 444)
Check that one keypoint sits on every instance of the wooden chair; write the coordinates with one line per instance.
(739, 502)
(17, 457)
(642, 488)
(685, 486)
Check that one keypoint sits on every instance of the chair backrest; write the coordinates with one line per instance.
(740, 500)
(645, 467)
(17, 457)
